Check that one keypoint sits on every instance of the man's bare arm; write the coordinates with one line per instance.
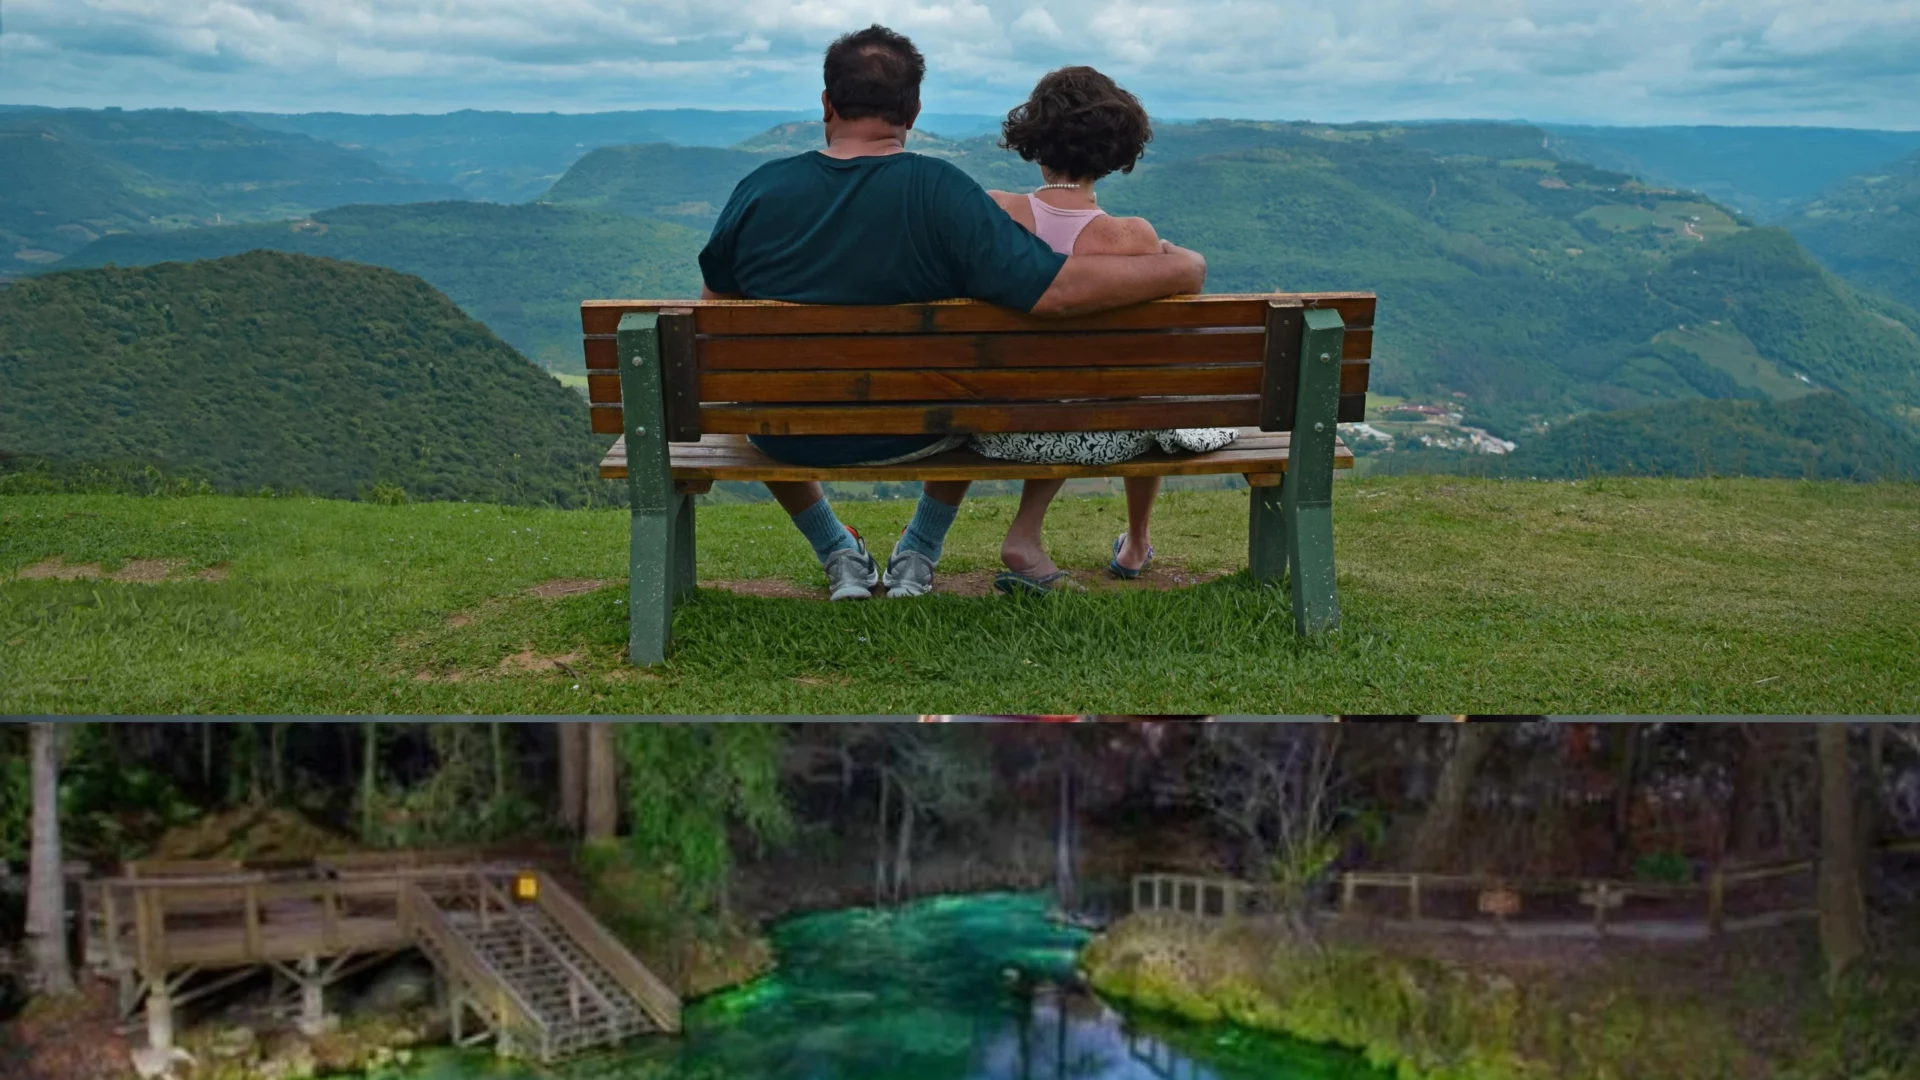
(1091, 283)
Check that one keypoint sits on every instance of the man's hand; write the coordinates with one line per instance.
(1091, 283)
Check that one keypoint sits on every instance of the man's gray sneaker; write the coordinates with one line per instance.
(909, 573)
(851, 573)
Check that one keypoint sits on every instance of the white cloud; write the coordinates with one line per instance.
(1854, 62)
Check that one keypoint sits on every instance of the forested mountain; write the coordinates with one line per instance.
(75, 174)
(1763, 171)
(522, 270)
(1521, 289)
(1867, 228)
(286, 371)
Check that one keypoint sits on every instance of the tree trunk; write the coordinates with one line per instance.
(573, 775)
(499, 762)
(880, 846)
(1065, 888)
(1748, 806)
(1626, 770)
(277, 758)
(603, 782)
(46, 883)
(1843, 917)
(369, 776)
(1439, 832)
(903, 854)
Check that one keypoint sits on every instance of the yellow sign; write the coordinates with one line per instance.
(1500, 902)
(526, 888)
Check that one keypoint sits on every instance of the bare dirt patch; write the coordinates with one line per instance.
(553, 590)
(133, 571)
(977, 583)
(213, 573)
(528, 662)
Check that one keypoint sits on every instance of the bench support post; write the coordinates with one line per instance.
(1266, 536)
(1306, 495)
(650, 494)
(683, 570)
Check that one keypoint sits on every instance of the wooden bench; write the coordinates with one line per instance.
(683, 382)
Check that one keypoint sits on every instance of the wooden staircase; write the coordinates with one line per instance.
(541, 975)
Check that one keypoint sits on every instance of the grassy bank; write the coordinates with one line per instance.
(1451, 1010)
(1718, 596)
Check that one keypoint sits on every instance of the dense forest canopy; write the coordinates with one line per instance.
(284, 371)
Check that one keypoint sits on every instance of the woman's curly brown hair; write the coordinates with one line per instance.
(1078, 124)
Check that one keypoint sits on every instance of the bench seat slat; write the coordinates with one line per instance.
(731, 457)
(909, 419)
(895, 385)
(959, 316)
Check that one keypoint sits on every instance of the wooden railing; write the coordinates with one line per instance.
(1500, 898)
(662, 1005)
(508, 1011)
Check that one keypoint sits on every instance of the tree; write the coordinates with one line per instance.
(1273, 787)
(1435, 844)
(572, 740)
(603, 782)
(1843, 914)
(46, 880)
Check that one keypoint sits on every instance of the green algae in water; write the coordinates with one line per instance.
(953, 988)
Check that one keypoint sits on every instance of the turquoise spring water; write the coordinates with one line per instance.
(952, 988)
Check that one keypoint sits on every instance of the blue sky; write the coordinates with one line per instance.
(1853, 63)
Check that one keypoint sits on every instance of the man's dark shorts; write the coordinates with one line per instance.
(835, 451)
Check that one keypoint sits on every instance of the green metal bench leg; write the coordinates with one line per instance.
(651, 559)
(683, 547)
(1266, 536)
(1306, 494)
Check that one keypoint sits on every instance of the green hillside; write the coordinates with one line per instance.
(1866, 228)
(1764, 171)
(1813, 437)
(522, 270)
(285, 371)
(76, 174)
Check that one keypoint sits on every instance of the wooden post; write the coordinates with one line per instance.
(253, 921)
(1413, 897)
(110, 912)
(1347, 890)
(1717, 903)
(650, 494)
(1604, 895)
(1306, 494)
(159, 1014)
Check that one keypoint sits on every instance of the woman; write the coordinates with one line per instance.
(1079, 126)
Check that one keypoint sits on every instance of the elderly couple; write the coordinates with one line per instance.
(865, 222)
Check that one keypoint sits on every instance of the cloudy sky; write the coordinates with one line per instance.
(1849, 63)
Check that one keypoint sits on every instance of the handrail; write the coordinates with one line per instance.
(659, 1001)
(427, 920)
(534, 933)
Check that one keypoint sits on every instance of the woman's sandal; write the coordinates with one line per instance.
(1013, 582)
(1122, 572)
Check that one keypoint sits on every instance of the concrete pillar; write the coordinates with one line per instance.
(159, 1016)
(313, 1000)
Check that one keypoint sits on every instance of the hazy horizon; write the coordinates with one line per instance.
(1623, 63)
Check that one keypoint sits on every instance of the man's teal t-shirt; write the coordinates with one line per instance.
(891, 229)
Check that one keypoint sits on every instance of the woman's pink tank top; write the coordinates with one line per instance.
(1059, 228)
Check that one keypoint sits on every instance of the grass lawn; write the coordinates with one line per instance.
(1642, 596)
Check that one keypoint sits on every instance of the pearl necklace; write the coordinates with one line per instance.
(1087, 191)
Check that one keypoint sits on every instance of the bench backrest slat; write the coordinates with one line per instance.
(743, 367)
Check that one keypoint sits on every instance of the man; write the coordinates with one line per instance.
(865, 222)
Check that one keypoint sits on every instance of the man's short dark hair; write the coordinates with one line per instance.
(1079, 124)
(875, 73)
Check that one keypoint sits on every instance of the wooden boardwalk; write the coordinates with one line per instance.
(524, 963)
